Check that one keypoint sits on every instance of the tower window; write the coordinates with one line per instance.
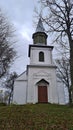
(41, 56)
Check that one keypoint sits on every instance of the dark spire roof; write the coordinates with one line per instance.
(40, 37)
(40, 27)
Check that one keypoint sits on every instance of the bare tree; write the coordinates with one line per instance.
(7, 52)
(9, 84)
(63, 74)
(59, 21)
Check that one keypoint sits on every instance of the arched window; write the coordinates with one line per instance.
(41, 56)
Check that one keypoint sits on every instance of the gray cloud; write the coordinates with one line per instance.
(20, 13)
(18, 10)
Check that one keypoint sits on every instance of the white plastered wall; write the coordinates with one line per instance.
(35, 55)
(20, 89)
(20, 92)
(42, 73)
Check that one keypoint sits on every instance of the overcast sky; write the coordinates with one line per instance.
(20, 13)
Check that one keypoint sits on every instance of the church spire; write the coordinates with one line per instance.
(40, 37)
(40, 27)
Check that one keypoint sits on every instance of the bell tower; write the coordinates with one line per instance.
(40, 53)
(40, 37)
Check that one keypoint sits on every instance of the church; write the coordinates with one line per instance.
(38, 84)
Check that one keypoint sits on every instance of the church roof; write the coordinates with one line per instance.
(22, 76)
(40, 27)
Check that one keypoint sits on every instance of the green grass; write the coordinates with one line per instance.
(36, 117)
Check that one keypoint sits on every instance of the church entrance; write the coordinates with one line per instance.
(42, 94)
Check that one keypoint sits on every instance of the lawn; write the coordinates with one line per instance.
(36, 117)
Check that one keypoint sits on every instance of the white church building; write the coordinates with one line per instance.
(38, 84)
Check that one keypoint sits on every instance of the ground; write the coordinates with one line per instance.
(36, 117)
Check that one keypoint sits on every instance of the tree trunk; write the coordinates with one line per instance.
(10, 95)
(70, 98)
(9, 98)
(71, 67)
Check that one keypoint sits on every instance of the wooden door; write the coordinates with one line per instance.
(42, 94)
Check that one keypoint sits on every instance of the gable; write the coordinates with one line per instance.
(42, 81)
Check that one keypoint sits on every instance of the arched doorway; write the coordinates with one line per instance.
(42, 91)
